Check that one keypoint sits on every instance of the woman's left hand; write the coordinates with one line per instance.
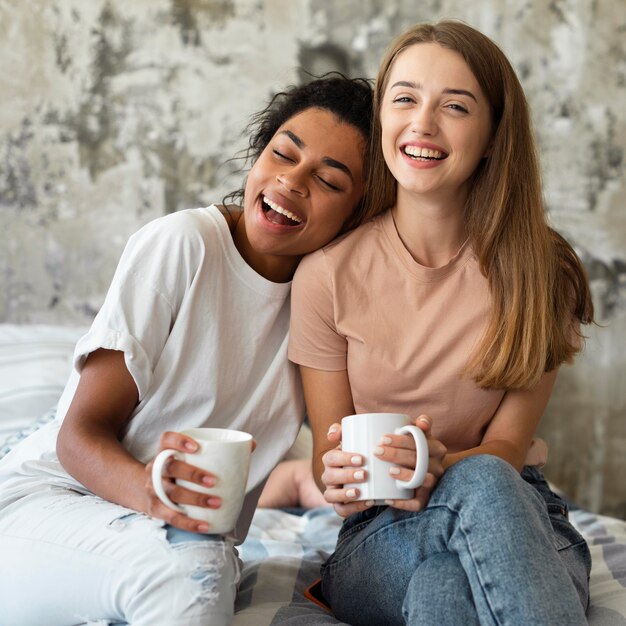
(400, 450)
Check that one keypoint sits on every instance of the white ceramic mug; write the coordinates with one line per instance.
(362, 433)
(222, 452)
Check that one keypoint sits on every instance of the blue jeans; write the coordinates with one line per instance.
(491, 547)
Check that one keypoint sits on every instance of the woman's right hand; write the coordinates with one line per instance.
(177, 469)
(341, 468)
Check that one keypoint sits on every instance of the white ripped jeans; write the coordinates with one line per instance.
(68, 559)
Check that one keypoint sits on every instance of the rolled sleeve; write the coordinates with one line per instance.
(135, 357)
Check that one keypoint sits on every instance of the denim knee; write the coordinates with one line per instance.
(481, 467)
(483, 473)
(487, 482)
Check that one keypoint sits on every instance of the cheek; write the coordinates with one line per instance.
(478, 156)
(388, 141)
(252, 187)
(253, 174)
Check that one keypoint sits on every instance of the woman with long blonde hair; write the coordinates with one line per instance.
(454, 304)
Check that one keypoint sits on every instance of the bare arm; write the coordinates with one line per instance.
(328, 399)
(511, 430)
(89, 444)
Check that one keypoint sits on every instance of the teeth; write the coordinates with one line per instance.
(424, 153)
(279, 209)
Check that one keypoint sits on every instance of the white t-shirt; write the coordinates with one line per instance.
(205, 340)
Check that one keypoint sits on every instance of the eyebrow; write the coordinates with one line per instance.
(326, 160)
(457, 92)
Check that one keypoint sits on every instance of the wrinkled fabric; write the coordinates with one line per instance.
(491, 547)
(80, 559)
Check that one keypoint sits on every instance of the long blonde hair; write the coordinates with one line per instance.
(538, 285)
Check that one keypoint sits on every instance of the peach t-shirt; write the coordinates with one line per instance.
(403, 331)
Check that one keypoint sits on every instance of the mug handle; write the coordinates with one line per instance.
(157, 478)
(421, 462)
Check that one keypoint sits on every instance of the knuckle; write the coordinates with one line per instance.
(196, 475)
(176, 494)
(422, 493)
(429, 481)
(200, 499)
(391, 453)
(169, 467)
(166, 436)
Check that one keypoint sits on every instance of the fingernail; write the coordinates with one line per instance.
(208, 480)
(351, 493)
(394, 470)
(370, 503)
(388, 501)
(203, 528)
(378, 451)
(356, 460)
(190, 445)
(332, 429)
(385, 441)
(423, 418)
(360, 475)
(213, 502)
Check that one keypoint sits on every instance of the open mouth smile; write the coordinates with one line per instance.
(278, 214)
(423, 154)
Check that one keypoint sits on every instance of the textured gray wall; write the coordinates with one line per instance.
(114, 112)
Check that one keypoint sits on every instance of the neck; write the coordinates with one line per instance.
(432, 229)
(276, 268)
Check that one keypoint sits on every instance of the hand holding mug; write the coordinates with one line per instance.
(394, 459)
(199, 478)
(341, 468)
(399, 450)
(174, 470)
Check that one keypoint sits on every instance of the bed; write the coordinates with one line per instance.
(284, 549)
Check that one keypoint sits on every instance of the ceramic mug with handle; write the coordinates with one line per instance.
(222, 452)
(362, 433)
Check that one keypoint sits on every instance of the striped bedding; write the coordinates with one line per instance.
(283, 552)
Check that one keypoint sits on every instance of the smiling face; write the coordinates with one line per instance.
(436, 123)
(303, 187)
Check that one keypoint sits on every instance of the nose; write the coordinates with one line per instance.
(424, 121)
(293, 180)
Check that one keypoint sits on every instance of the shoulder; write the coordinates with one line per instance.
(185, 223)
(177, 245)
(190, 229)
(231, 213)
(339, 260)
(349, 246)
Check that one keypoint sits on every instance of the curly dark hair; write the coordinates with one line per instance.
(350, 99)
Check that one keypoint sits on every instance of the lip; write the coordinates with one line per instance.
(283, 202)
(422, 165)
(423, 144)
